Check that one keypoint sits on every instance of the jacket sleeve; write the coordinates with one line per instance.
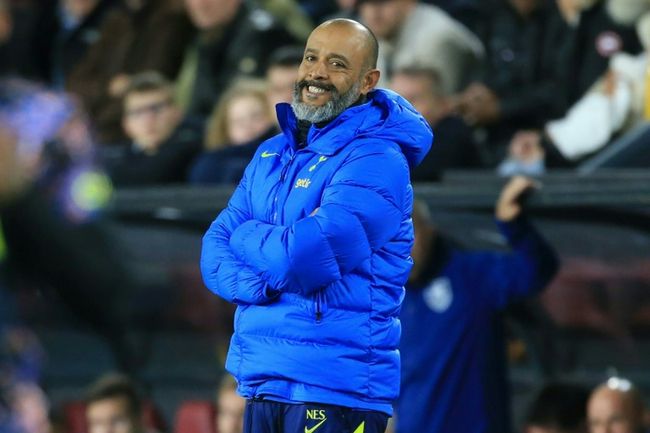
(360, 211)
(222, 272)
(526, 270)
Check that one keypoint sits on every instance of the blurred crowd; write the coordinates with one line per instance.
(183, 91)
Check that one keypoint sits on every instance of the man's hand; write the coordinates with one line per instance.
(118, 85)
(479, 105)
(509, 204)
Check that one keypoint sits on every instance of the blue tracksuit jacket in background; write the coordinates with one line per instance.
(314, 248)
(453, 361)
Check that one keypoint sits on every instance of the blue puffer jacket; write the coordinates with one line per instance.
(314, 247)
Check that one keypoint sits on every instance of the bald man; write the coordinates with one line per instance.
(314, 246)
(615, 407)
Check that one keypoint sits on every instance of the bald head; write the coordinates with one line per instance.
(370, 44)
(337, 70)
(615, 410)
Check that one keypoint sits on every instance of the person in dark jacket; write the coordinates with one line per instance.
(586, 39)
(591, 37)
(453, 370)
(455, 146)
(314, 246)
(144, 35)
(69, 29)
(515, 88)
(161, 146)
(234, 40)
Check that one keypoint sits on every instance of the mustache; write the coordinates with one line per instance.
(305, 83)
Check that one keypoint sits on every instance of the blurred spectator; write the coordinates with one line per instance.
(525, 155)
(454, 369)
(240, 122)
(318, 10)
(346, 9)
(558, 408)
(19, 32)
(516, 90)
(114, 406)
(465, 11)
(541, 58)
(291, 15)
(412, 34)
(28, 410)
(144, 35)
(281, 75)
(454, 145)
(161, 147)
(230, 407)
(615, 407)
(587, 38)
(234, 39)
(23, 405)
(52, 227)
(6, 23)
(69, 30)
(614, 105)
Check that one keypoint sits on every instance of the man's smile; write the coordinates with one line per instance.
(314, 90)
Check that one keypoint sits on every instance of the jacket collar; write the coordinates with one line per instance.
(339, 131)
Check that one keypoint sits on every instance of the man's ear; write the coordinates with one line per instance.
(370, 80)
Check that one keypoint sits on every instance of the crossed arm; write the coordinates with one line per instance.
(247, 261)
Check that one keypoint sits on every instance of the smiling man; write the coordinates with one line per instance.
(314, 246)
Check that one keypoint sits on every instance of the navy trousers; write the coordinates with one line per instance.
(263, 416)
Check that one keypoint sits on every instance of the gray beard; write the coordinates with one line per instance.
(337, 104)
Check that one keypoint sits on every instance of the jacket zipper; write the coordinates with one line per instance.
(283, 176)
(319, 312)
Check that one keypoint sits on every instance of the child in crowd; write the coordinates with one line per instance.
(239, 123)
(161, 145)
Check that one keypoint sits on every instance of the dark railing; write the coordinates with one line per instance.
(601, 195)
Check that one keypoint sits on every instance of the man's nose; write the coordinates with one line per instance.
(318, 71)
